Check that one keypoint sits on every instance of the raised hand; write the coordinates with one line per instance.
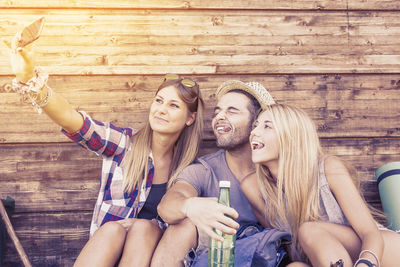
(21, 56)
(22, 59)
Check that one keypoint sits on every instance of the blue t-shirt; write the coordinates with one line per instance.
(204, 175)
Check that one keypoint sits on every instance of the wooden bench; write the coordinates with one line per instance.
(338, 60)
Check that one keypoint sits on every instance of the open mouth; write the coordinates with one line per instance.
(223, 128)
(255, 145)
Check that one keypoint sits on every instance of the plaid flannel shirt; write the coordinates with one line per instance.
(111, 143)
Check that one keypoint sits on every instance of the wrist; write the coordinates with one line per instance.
(26, 76)
(186, 206)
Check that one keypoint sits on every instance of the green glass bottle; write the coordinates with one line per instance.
(222, 254)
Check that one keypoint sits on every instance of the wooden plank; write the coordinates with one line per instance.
(206, 41)
(341, 105)
(55, 239)
(205, 4)
(65, 177)
(49, 239)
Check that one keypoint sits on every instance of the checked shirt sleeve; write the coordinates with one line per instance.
(102, 138)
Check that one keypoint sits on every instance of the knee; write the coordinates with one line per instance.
(308, 233)
(145, 227)
(113, 229)
(185, 229)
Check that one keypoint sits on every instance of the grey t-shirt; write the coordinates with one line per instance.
(204, 175)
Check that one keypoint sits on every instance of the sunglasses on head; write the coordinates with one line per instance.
(184, 81)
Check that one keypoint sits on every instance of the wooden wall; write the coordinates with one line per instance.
(339, 60)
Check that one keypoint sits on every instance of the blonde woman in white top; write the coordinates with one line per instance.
(313, 196)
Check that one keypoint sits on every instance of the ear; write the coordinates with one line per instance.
(191, 118)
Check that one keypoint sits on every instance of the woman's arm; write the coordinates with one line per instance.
(250, 189)
(57, 108)
(354, 207)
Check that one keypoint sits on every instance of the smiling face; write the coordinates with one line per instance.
(264, 141)
(169, 114)
(232, 121)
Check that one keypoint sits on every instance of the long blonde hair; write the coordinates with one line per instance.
(136, 161)
(292, 198)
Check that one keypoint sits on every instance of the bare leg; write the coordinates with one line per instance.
(104, 248)
(141, 241)
(176, 242)
(391, 255)
(298, 264)
(326, 243)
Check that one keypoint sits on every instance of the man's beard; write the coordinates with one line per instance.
(233, 142)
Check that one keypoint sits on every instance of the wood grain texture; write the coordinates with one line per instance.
(341, 105)
(86, 42)
(50, 239)
(205, 4)
(65, 177)
(338, 60)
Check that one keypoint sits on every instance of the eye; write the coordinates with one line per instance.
(255, 124)
(267, 126)
(174, 105)
(158, 100)
(216, 111)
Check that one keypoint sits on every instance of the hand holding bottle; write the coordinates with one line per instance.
(207, 214)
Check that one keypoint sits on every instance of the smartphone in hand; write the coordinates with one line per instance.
(31, 32)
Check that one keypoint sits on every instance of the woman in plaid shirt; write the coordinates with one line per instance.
(138, 165)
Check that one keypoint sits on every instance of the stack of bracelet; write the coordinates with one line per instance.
(367, 261)
(33, 87)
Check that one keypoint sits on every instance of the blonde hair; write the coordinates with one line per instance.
(136, 161)
(292, 198)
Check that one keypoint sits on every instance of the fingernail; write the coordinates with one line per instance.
(19, 49)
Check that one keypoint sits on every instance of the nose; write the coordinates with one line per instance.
(220, 115)
(162, 109)
(253, 132)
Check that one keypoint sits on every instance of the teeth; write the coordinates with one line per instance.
(223, 128)
(256, 145)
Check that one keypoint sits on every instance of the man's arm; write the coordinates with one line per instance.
(206, 213)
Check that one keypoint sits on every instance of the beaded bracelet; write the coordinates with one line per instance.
(33, 87)
(38, 104)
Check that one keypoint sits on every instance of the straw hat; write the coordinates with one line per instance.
(254, 88)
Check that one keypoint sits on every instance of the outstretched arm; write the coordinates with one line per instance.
(181, 201)
(57, 108)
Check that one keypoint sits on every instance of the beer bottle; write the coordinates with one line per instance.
(222, 254)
